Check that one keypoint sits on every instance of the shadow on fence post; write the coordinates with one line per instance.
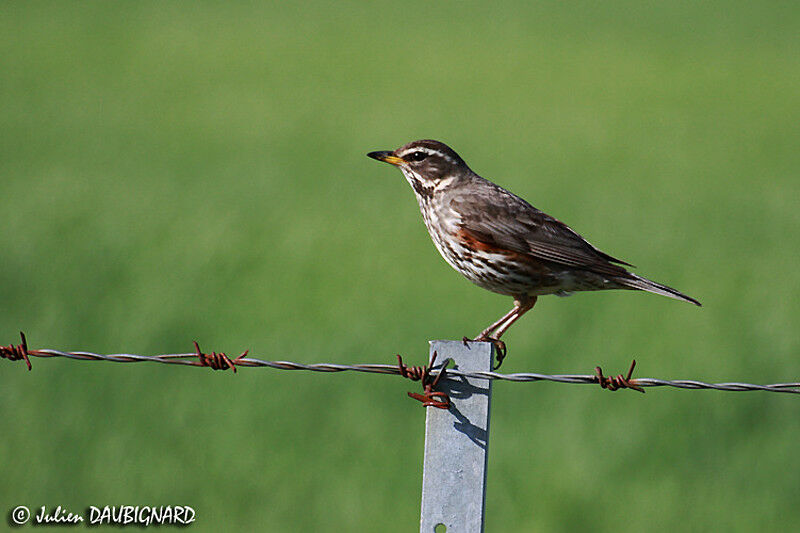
(456, 443)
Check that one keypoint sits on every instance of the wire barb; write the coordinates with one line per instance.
(617, 382)
(429, 398)
(15, 353)
(217, 361)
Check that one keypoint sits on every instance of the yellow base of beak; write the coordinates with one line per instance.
(386, 157)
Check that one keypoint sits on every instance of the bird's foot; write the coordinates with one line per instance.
(499, 345)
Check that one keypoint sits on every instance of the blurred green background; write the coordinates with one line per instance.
(181, 171)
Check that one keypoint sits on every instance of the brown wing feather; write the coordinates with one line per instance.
(514, 225)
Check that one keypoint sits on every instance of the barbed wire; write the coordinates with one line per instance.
(429, 373)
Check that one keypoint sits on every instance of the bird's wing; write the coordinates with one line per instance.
(511, 224)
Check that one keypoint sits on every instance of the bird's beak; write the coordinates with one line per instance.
(386, 157)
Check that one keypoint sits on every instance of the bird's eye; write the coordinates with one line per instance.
(417, 156)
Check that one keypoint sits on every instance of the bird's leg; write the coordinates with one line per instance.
(521, 307)
(485, 334)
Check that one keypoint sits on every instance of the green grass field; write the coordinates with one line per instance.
(197, 171)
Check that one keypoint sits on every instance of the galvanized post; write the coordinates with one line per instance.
(456, 443)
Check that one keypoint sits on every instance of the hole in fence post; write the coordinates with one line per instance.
(440, 528)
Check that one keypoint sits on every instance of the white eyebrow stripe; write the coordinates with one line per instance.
(413, 149)
(429, 151)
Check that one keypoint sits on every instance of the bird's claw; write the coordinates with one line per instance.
(499, 345)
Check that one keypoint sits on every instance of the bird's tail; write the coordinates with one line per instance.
(644, 284)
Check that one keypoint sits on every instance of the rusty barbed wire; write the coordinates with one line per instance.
(617, 382)
(216, 361)
(191, 359)
(429, 398)
(15, 353)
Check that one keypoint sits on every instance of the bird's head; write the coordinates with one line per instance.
(427, 165)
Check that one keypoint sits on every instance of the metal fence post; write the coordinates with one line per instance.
(456, 443)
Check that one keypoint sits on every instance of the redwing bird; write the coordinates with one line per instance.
(502, 243)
